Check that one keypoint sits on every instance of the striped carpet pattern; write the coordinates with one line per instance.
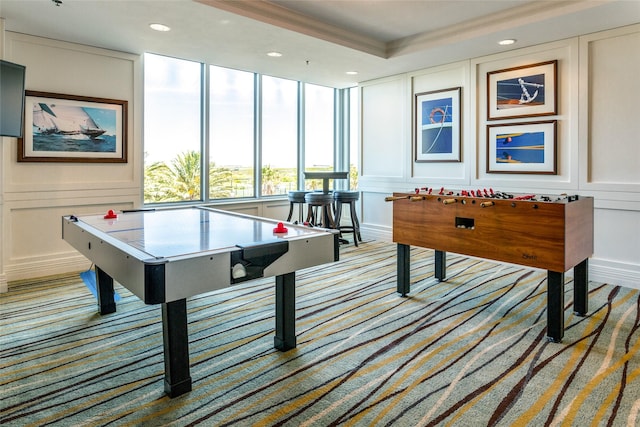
(470, 351)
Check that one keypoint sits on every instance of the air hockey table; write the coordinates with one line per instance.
(166, 256)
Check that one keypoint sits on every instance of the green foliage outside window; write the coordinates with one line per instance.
(179, 180)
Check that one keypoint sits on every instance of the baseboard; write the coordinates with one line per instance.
(46, 267)
(615, 273)
(600, 270)
(4, 287)
(374, 232)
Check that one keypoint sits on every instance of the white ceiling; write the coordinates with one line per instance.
(320, 39)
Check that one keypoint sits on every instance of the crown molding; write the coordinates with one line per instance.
(527, 14)
(273, 14)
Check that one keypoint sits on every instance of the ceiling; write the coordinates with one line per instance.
(320, 40)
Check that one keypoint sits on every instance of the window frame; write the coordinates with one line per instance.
(342, 125)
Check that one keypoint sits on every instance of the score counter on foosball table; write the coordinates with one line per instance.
(554, 233)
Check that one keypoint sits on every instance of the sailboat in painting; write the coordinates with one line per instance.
(42, 120)
(49, 119)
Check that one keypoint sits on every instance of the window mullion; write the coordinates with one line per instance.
(205, 137)
(257, 135)
(301, 136)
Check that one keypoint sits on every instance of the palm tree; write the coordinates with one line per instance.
(180, 180)
(221, 182)
(175, 182)
(270, 177)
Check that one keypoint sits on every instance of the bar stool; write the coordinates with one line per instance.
(296, 197)
(350, 198)
(320, 209)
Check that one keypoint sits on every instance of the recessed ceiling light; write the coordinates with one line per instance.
(274, 54)
(506, 42)
(352, 73)
(159, 27)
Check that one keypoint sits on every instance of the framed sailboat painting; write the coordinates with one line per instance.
(437, 126)
(525, 91)
(70, 128)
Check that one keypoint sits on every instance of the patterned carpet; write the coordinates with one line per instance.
(470, 351)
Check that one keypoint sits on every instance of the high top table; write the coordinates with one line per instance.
(325, 177)
(167, 256)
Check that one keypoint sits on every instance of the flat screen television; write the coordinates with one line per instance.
(11, 99)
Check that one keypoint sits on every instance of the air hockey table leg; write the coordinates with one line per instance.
(177, 379)
(106, 294)
(285, 338)
(555, 306)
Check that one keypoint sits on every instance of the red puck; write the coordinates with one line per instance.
(280, 228)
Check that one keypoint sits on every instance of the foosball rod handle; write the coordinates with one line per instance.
(393, 198)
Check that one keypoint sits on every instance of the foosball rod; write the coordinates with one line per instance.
(408, 197)
(394, 198)
(464, 193)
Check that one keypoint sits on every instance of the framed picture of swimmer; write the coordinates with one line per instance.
(437, 126)
(525, 91)
(70, 128)
(522, 148)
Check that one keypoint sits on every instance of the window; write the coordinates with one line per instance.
(318, 132)
(279, 136)
(212, 133)
(231, 133)
(172, 106)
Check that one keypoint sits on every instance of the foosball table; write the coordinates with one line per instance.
(554, 233)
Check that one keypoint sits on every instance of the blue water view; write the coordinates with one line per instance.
(65, 143)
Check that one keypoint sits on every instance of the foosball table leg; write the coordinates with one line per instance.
(581, 288)
(404, 272)
(440, 265)
(555, 306)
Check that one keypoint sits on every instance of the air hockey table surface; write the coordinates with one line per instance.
(197, 248)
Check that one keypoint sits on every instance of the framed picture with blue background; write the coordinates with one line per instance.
(437, 126)
(525, 91)
(522, 148)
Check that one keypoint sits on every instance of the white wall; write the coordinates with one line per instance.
(34, 196)
(598, 140)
